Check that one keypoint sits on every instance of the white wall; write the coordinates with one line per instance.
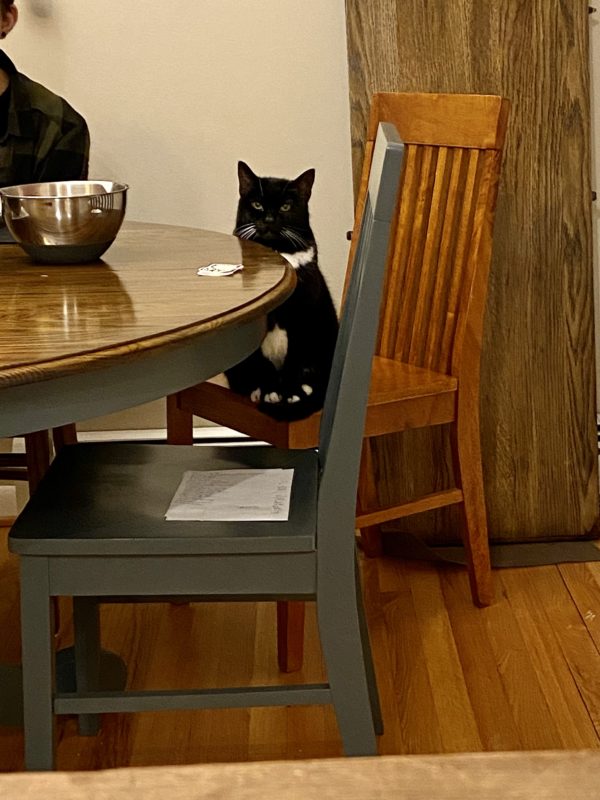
(175, 92)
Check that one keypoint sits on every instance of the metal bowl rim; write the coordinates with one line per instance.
(118, 188)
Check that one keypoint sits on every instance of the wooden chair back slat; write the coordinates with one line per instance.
(396, 274)
(420, 196)
(453, 193)
(431, 233)
(457, 265)
(446, 203)
(475, 279)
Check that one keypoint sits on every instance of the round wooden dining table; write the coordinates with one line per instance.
(83, 340)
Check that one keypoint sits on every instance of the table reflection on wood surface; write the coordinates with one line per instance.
(138, 325)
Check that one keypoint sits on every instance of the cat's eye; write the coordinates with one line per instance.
(257, 205)
(285, 207)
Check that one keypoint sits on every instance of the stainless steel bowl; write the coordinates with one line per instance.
(64, 222)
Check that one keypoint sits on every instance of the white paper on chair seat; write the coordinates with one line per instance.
(230, 495)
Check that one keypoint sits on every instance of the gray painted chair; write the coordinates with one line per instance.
(95, 529)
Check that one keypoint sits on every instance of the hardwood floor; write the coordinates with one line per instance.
(523, 674)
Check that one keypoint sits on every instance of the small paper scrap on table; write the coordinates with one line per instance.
(219, 270)
(231, 495)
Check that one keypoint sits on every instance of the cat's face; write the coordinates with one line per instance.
(274, 211)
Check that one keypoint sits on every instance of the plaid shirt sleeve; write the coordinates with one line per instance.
(63, 151)
(47, 140)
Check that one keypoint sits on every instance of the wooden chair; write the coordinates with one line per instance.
(32, 465)
(426, 368)
(95, 530)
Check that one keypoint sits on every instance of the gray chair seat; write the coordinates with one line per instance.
(118, 494)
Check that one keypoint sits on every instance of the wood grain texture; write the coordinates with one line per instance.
(426, 503)
(144, 295)
(431, 327)
(520, 776)
(519, 675)
(538, 394)
(240, 413)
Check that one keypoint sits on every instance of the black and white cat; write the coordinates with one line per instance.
(287, 376)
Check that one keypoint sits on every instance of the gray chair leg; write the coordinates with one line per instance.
(340, 631)
(38, 664)
(86, 623)
(368, 659)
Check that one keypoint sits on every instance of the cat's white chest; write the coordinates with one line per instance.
(301, 258)
(275, 345)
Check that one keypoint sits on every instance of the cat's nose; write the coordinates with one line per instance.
(269, 218)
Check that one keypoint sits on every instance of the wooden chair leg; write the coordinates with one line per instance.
(66, 434)
(37, 451)
(466, 446)
(58, 621)
(179, 423)
(290, 635)
(370, 537)
(179, 431)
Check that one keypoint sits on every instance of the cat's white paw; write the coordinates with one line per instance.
(308, 390)
(255, 396)
(272, 397)
(293, 399)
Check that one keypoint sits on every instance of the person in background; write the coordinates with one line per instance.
(42, 137)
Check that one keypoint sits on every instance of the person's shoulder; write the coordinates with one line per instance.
(41, 99)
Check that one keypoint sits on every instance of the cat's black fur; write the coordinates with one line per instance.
(287, 376)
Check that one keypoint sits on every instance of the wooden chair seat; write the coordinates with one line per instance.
(393, 381)
(392, 384)
(240, 414)
(403, 396)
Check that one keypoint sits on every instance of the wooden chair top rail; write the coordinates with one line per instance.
(440, 252)
(447, 120)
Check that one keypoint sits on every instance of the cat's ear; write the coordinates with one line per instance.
(247, 178)
(304, 183)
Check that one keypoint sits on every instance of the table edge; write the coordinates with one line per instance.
(96, 359)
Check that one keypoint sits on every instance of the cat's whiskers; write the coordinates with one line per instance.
(247, 231)
(295, 237)
(287, 236)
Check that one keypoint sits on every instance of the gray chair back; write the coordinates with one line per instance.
(346, 400)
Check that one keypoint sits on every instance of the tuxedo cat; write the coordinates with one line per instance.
(287, 376)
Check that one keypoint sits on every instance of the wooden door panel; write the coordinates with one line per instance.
(538, 377)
